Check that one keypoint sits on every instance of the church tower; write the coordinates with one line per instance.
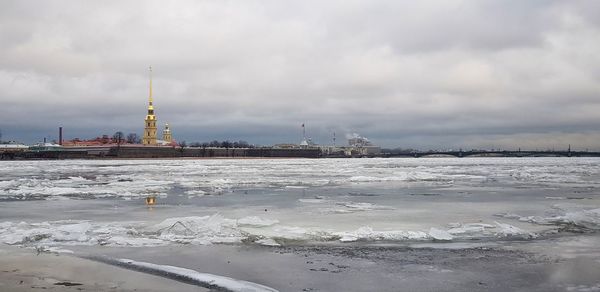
(167, 134)
(149, 137)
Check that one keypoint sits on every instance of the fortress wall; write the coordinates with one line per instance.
(166, 152)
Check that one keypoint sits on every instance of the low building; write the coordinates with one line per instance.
(45, 147)
(285, 146)
(361, 146)
(98, 141)
(13, 147)
(357, 147)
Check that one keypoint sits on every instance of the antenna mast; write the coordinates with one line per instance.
(303, 132)
(334, 139)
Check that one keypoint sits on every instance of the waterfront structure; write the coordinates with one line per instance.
(286, 146)
(98, 141)
(167, 134)
(13, 147)
(306, 142)
(361, 146)
(149, 137)
(40, 147)
(357, 147)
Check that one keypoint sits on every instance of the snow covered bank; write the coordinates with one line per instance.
(201, 279)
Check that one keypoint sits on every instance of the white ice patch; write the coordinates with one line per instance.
(588, 218)
(367, 233)
(351, 207)
(439, 234)
(221, 282)
(195, 193)
(507, 230)
(583, 288)
(137, 178)
(198, 230)
(215, 229)
(470, 230)
(556, 198)
(313, 201)
(45, 233)
(408, 176)
(268, 242)
(54, 250)
(123, 240)
(101, 186)
(255, 221)
(296, 187)
(364, 206)
(289, 233)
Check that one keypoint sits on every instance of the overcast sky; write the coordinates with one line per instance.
(421, 74)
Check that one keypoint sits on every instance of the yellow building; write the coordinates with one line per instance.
(167, 134)
(149, 137)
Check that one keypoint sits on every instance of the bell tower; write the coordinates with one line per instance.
(167, 134)
(149, 137)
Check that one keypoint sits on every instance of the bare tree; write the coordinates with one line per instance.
(118, 137)
(182, 146)
(133, 138)
(226, 144)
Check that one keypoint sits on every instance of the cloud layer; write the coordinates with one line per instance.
(424, 74)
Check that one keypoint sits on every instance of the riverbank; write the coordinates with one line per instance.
(413, 267)
(25, 270)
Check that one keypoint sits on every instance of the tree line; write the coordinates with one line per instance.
(222, 144)
(133, 138)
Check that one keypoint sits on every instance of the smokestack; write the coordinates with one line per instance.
(60, 138)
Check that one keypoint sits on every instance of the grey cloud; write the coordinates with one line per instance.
(419, 74)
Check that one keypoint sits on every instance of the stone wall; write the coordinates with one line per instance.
(165, 152)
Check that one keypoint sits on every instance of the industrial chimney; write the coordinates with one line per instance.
(60, 136)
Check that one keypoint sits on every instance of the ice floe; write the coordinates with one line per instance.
(136, 178)
(255, 221)
(439, 234)
(588, 219)
(313, 201)
(507, 230)
(367, 233)
(217, 229)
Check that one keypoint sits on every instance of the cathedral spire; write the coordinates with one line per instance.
(150, 97)
(149, 137)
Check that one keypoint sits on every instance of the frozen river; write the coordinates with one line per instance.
(541, 206)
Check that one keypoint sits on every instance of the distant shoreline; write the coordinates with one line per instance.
(142, 152)
(279, 158)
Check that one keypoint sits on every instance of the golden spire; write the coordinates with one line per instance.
(150, 98)
(149, 137)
